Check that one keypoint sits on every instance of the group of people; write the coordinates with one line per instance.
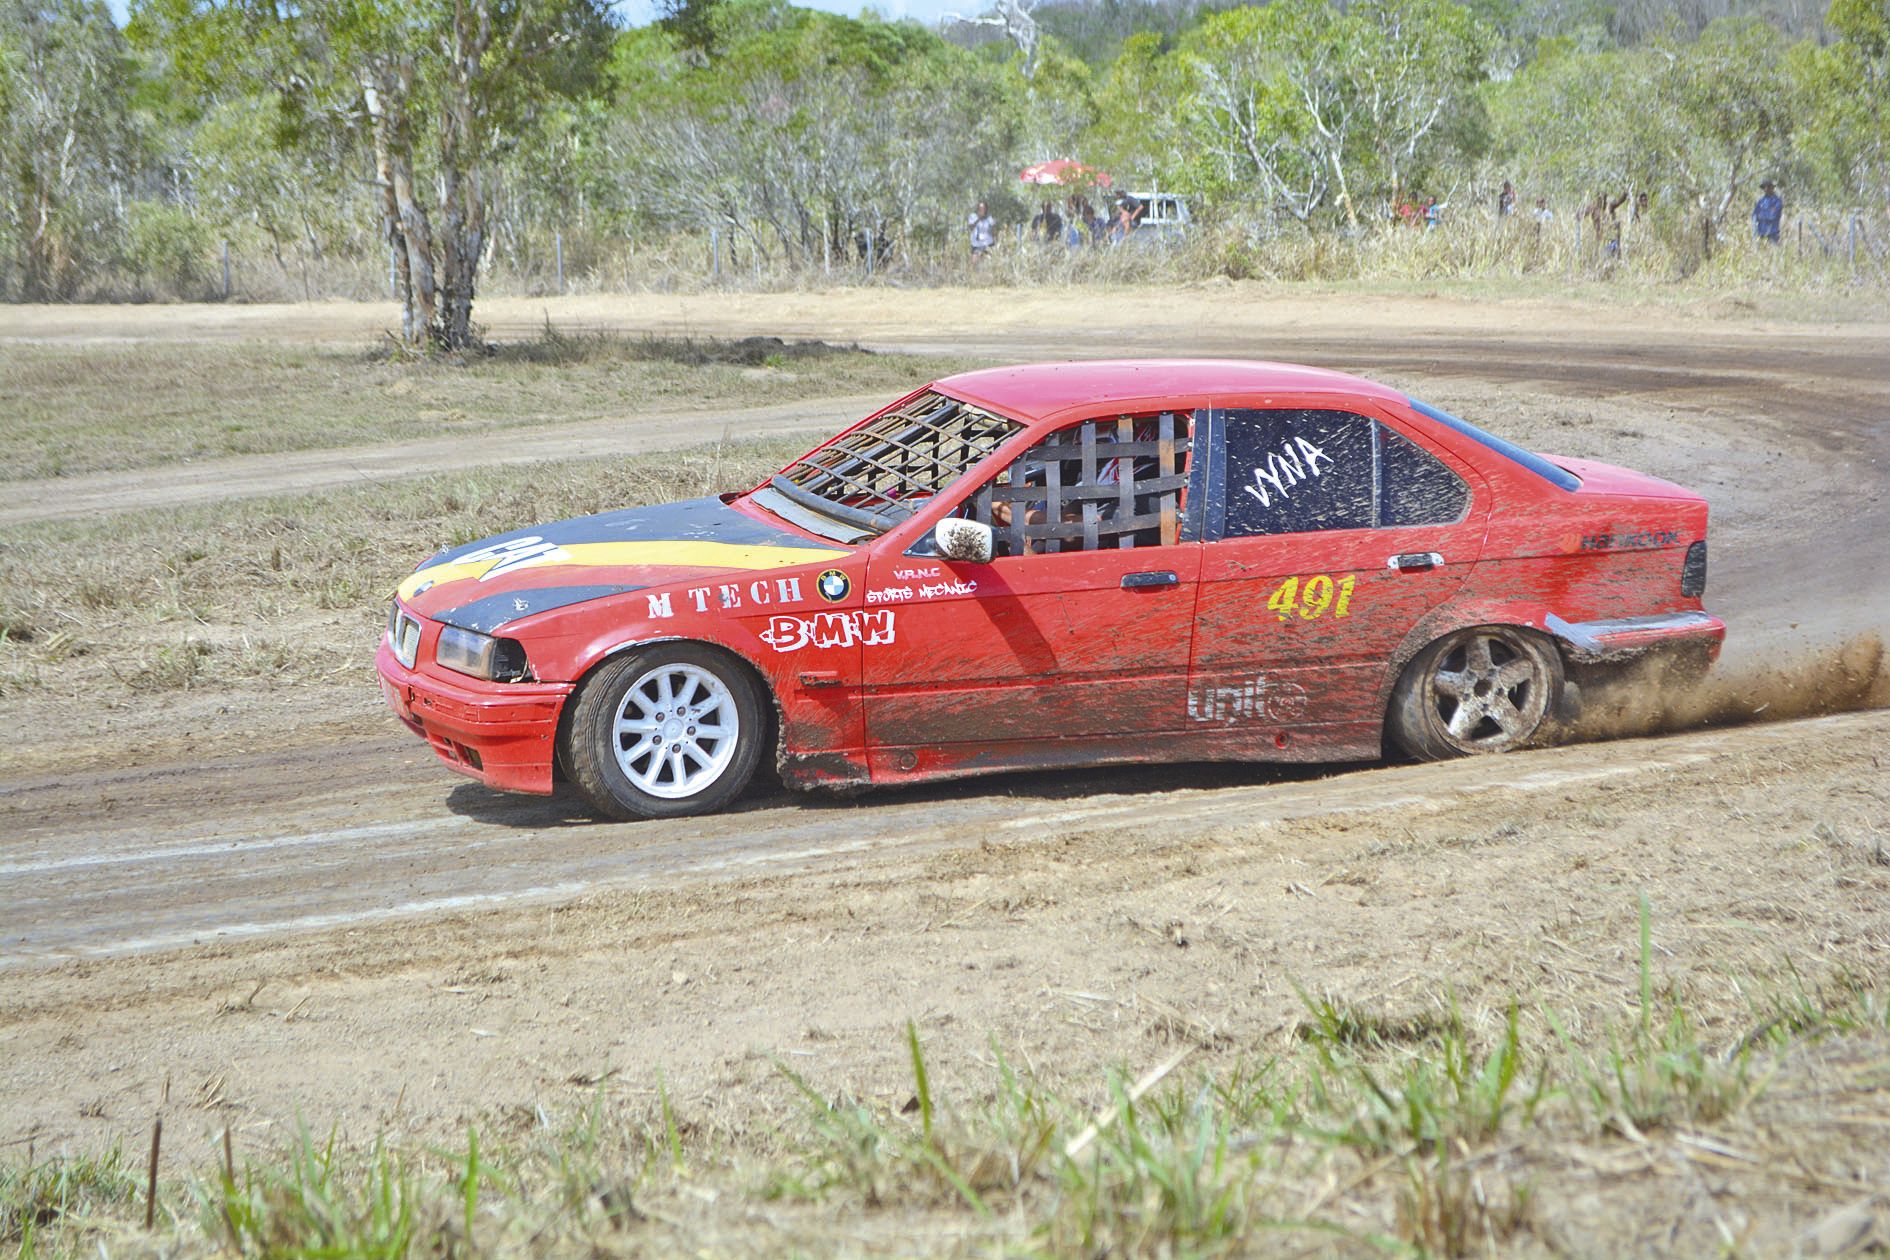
(1077, 222)
(1418, 211)
(1603, 214)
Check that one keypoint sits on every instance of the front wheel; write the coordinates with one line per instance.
(1485, 689)
(665, 732)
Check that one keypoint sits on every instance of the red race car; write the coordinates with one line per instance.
(1057, 565)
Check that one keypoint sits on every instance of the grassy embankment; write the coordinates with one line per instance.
(95, 408)
(160, 600)
(1427, 1132)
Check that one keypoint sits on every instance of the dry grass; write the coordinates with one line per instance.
(91, 408)
(1482, 1143)
(289, 590)
(1472, 252)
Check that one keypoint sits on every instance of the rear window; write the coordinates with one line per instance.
(1509, 450)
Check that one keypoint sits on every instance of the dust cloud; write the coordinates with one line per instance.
(1660, 695)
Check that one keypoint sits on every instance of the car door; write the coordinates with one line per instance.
(1080, 626)
(1330, 533)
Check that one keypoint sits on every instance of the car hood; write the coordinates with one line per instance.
(484, 585)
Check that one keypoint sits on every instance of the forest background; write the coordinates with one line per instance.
(432, 150)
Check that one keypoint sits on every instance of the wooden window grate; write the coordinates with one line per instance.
(1102, 483)
(883, 472)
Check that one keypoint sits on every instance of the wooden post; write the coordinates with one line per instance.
(150, 1184)
(557, 242)
(226, 271)
(715, 252)
(871, 259)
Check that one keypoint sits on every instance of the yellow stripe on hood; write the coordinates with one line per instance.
(691, 555)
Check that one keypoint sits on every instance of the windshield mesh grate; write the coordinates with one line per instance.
(882, 473)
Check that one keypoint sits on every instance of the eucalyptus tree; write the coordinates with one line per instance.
(68, 141)
(436, 91)
(1324, 107)
(796, 131)
(1841, 94)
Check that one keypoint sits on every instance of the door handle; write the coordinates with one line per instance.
(1161, 577)
(1415, 561)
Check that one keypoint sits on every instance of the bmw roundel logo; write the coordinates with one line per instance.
(833, 586)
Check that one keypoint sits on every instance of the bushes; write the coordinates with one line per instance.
(167, 252)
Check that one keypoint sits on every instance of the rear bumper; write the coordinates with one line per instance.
(1627, 637)
(502, 734)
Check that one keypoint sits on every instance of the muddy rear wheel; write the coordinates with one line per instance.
(1482, 690)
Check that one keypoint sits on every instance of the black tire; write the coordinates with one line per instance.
(636, 745)
(1481, 690)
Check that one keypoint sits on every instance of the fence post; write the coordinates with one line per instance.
(715, 252)
(1853, 245)
(226, 270)
(870, 254)
(557, 240)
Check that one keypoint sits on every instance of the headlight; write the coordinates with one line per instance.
(481, 655)
(403, 634)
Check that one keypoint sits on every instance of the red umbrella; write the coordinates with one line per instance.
(1063, 171)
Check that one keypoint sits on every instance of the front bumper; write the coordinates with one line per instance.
(503, 734)
(1624, 638)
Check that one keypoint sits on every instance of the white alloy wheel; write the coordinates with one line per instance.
(676, 731)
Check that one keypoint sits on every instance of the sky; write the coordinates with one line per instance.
(639, 12)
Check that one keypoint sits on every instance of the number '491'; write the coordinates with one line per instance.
(1318, 596)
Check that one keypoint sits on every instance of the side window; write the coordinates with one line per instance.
(1415, 486)
(1116, 482)
(1294, 472)
(1291, 472)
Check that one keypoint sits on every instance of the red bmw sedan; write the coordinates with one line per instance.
(1055, 565)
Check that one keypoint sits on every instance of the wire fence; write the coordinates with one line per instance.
(1816, 250)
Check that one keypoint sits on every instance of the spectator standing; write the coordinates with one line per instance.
(1542, 215)
(1506, 201)
(1433, 213)
(983, 230)
(1048, 224)
(1129, 212)
(1767, 212)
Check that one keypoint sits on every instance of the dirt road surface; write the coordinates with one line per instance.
(402, 935)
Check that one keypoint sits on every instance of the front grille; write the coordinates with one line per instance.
(1693, 571)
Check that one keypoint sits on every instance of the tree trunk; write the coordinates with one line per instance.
(462, 200)
(412, 327)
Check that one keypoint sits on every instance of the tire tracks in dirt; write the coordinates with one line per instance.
(353, 828)
(232, 864)
(94, 495)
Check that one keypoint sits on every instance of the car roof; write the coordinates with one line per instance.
(1041, 391)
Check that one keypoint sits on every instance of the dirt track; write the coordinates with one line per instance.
(204, 853)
